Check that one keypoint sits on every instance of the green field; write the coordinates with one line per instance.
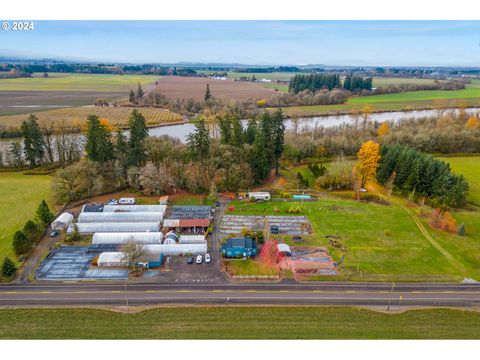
(21, 195)
(238, 323)
(383, 242)
(468, 166)
(78, 82)
(406, 100)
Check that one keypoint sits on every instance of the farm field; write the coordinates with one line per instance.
(21, 194)
(406, 100)
(79, 82)
(238, 323)
(23, 95)
(176, 87)
(468, 166)
(383, 242)
(118, 116)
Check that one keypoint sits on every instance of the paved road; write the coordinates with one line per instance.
(281, 293)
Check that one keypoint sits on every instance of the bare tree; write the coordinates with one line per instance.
(133, 252)
(48, 127)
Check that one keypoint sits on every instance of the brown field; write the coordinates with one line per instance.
(117, 116)
(176, 87)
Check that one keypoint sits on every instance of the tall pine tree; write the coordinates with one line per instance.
(33, 144)
(138, 133)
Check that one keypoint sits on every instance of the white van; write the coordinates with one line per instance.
(126, 201)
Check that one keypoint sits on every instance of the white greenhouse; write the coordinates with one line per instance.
(62, 222)
(117, 227)
(134, 208)
(192, 239)
(112, 259)
(176, 249)
(92, 217)
(124, 237)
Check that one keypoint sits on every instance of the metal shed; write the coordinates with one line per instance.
(124, 237)
(62, 222)
(109, 227)
(91, 217)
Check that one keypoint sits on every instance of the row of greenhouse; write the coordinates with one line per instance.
(118, 225)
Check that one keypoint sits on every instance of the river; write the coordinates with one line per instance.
(181, 131)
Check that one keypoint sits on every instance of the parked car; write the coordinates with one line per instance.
(199, 259)
(207, 258)
(190, 260)
(54, 233)
(274, 229)
(112, 202)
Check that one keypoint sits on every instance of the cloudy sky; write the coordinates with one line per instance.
(388, 43)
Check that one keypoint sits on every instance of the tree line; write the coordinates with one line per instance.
(413, 172)
(220, 153)
(314, 82)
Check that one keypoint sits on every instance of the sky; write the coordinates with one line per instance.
(343, 43)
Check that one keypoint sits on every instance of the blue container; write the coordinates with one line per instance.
(301, 197)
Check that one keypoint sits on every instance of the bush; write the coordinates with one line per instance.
(461, 229)
(8, 268)
(21, 243)
(44, 214)
(32, 230)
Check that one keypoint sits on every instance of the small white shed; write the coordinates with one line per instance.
(112, 259)
(259, 195)
(62, 222)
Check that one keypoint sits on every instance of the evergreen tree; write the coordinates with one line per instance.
(138, 133)
(99, 145)
(237, 131)
(31, 230)
(250, 131)
(278, 136)
(121, 149)
(259, 161)
(461, 229)
(44, 214)
(140, 92)
(33, 144)
(208, 95)
(132, 99)
(21, 243)
(198, 142)
(225, 130)
(8, 267)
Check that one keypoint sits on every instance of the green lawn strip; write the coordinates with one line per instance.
(248, 267)
(239, 323)
(21, 194)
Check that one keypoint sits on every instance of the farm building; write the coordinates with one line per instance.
(239, 247)
(110, 227)
(92, 217)
(124, 237)
(150, 261)
(190, 212)
(259, 195)
(112, 259)
(192, 239)
(176, 249)
(187, 226)
(62, 222)
(134, 208)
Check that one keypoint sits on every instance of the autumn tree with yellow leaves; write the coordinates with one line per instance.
(383, 130)
(472, 123)
(368, 161)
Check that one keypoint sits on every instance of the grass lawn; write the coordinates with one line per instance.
(238, 323)
(78, 82)
(279, 87)
(248, 267)
(468, 166)
(21, 195)
(383, 241)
